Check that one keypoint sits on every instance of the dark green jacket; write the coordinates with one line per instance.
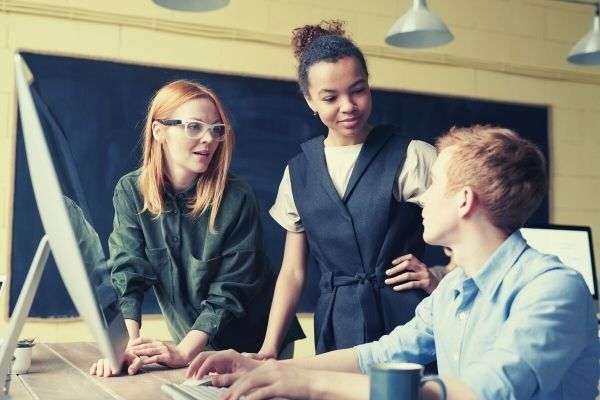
(219, 283)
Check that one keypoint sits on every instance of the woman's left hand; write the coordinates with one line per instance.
(158, 352)
(273, 379)
(408, 272)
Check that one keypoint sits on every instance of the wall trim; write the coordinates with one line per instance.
(215, 32)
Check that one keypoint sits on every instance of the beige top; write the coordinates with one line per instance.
(413, 179)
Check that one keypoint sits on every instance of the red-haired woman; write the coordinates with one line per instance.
(189, 229)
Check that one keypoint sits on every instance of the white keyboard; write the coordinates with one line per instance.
(192, 392)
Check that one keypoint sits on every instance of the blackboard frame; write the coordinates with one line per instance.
(269, 115)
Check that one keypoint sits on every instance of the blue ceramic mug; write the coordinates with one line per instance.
(400, 381)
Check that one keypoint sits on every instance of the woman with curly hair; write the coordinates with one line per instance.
(352, 198)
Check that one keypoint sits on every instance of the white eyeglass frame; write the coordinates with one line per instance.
(210, 128)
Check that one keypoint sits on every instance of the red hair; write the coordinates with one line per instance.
(211, 184)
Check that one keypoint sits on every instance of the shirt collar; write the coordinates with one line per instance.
(184, 194)
(489, 278)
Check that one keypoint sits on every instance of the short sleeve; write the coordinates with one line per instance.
(284, 210)
(414, 176)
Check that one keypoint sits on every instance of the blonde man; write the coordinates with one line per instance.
(508, 323)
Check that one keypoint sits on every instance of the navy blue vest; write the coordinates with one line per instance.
(355, 238)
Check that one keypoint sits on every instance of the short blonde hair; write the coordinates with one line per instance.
(211, 184)
(507, 172)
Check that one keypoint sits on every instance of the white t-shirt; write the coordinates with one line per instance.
(413, 179)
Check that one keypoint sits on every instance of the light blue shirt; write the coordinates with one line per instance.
(524, 327)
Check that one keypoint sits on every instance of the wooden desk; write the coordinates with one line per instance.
(60, 371)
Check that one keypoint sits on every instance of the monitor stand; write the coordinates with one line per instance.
(21, 312)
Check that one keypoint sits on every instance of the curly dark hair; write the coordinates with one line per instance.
(326, 41)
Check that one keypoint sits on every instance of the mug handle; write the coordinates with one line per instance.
(436, 379)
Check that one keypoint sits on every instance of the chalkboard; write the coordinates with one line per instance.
(93, 113)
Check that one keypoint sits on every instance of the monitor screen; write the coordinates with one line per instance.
(74, 243)
(70, 237)
(572, 244)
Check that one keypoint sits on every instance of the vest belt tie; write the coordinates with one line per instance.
(367, 283)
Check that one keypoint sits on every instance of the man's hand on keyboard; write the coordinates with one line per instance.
(229, 364)
(273, 379)
(155, 351)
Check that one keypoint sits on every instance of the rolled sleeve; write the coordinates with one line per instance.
(414, 178)
(411, 342)
(284, 210)
(545, 333)
(209, 320)
(131, 307)
(505, 376)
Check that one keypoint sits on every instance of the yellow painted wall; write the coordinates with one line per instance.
(508, 50)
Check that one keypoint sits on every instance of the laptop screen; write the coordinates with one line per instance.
(572, 244)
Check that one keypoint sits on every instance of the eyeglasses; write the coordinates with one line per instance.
(195, 129)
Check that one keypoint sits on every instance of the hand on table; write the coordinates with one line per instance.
(132, 362)
(156, 351)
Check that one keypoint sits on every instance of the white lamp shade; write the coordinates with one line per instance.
(192, 5)
(418, 28)
(587, 50)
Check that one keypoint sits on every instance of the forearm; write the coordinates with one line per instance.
(285, 300)
(133, 328)
(192, 344)
(345, 360)
(455, 390)
(347, 386)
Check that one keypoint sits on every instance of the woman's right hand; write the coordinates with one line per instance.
(228, 364)
(132, 362)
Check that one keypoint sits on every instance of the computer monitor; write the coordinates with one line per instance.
(73, 241)
(572, 244)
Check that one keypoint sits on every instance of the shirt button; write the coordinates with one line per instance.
(462, 316)
(175, 239)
